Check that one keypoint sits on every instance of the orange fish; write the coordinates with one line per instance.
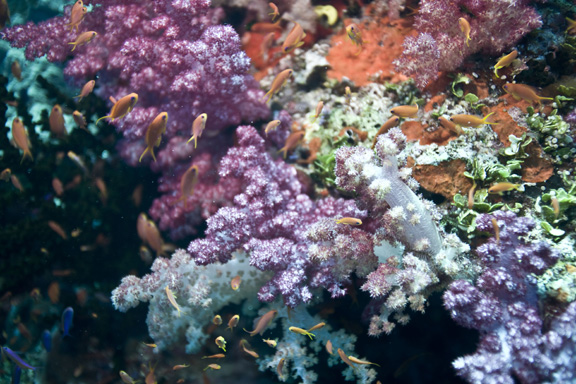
(121, 107)
(221, 343)
(56, 121)
(356, 360)
(20, 136)
(77, 15)
(275, 13)
(233, 322)
(355, 35)
(187, 183)
(198, 127)
(271, 126)
(450, 125)
(16, 70)
(54, 292)
(349, 221)
(244, 345)
(280, 368)
(5, 174)
(524, 92)
(292, 142)
(235, 283)
(505, 61)
(58, 229)
(16, 183)
(213, 367)
(503, 187)
(389, 124)
(79, 119)
(465, 28)
(154, 134)
(318, 111)
(266, 27)
(4, 13)
(345, 358)
(496, 230)
(153, 237)
(278, 83)
(86, 90)
(172, 299)
(471, 120)
(294, 39)
(84, 38)
(263, 322)
(329, 347)
(57, 186)
(405, 110)
(216, 356)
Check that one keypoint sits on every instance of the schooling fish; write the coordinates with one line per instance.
(154, 134)
(233, 322)
(388, 124)
(302, 332)
(505, 61)
(121, 107)
(84, 38)
(16, 359)
(355, 35)
(56, 121)
(524, 92)
(221, 343)
(47, 340)
(294, 39)
(86, 90)
(405, 110)
(275, 13)
(187, 183)
(198, 127)
(21, 139)
(67, 317)
(349, 221)
(271, 126)
(77, 15)
(235, 282)
(278, 83)
(292, 142)
(465, 28)
(471, 120)
(245, 346)
(263, 322)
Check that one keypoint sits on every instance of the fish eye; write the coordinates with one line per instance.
(451, 119)
(132, 98)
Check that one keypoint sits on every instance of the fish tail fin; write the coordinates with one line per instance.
(27, 154)
(268, 96)
(485, 119)
(73, 48)
(103, 117)
(285, 150)
(152, 153)
(195, 142)
(192, 138)
(545, 98)
(143, 153)
(496, 72)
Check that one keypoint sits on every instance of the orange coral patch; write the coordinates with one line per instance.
(445, 179)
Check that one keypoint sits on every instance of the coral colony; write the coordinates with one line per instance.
(448, 174)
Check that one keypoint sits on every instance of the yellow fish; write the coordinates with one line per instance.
(121, 107)
(84, 38)
(278, 83)
(154, 134)
(198, 127)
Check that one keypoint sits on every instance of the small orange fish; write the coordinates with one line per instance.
(221, 343)
(329, 347)
(345, 358)
(233, 322)
(77, 160)
(278, 83)
(405, 110)
(280, 369)
(349, 221)
(20, 136)
(271, 126)
(318, 110)
(245, 347)
(187, 183)
(5, 175)
(56, 121)
(213, 367)
(292, 142)
(465, 28)
(505, 61)
(267, 42)
(79, 119)
(180, 366)
(555, 206)
(471, 120)
(217, 320)
(153, 237)
(503, 187)
(154, 134)
(150, 345)
(126, 378)
(84, 38)
(266, 27)
(271, 343)
(235, 283)
(58, 229)
(16, 70)
(16, 183)
(317, 326)
(263, 322)
(355, 35)
(216, 356)
(4, 13)
(524, 92)
(356, 360)
(54, 292)
(77, 15)
(141, 226)
(172, 299)
(198, 127)
(121, 107)
(101, 185)
(275, 13)
(389, 124)
(294, 39)
(86, 90)
(496, 230)
(450, 125)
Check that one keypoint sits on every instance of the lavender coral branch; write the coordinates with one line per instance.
(441, 46)
(503, 306)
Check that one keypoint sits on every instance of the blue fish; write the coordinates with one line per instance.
(67, 317)
(16, 359)
(16, 375)
(47, 340)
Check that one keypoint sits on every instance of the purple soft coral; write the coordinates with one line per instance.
(504, 308)
(441, 46)
(273, 220)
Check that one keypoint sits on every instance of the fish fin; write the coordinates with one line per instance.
(143, 153)
(192, 138)
(112, 99)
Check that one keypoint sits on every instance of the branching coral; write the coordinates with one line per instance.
(503, 306)
(441, 46)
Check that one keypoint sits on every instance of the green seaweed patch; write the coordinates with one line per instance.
(496, 172)
(553, 134)
(459, 79)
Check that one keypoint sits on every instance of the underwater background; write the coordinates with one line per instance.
(233, 191)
